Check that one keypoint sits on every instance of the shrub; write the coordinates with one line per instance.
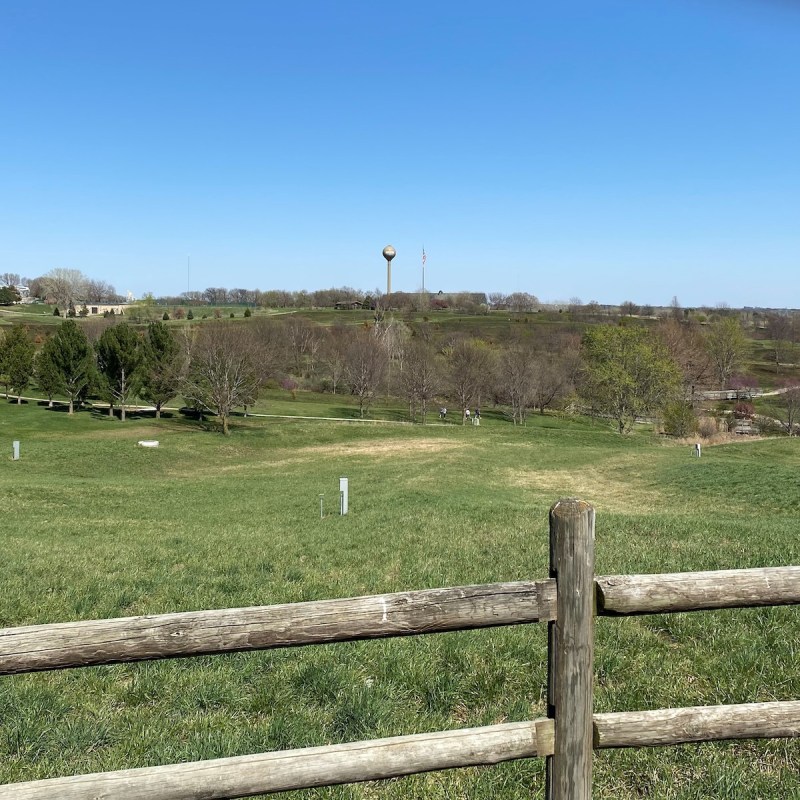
(707, 427)
(248, 313)
(679, 419)
(166, 316)
(232, 315)
(190, 315)
(290, 385)
(744, 410)
(179, 313)
(56, 312)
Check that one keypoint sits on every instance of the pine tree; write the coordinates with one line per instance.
(162, 368)
(74, 360)
(119, 361)
(18, 352)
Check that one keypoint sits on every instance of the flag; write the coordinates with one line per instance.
(424, 257)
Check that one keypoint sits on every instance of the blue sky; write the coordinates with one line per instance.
(610, 150)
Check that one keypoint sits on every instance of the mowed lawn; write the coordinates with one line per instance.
(94, 526)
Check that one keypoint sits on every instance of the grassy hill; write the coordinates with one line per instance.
(94, 526)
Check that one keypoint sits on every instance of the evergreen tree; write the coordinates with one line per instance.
(162, 367)
(73, 359)
(18, 352)
(119, 362)
(46, 370)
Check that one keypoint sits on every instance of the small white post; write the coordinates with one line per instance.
(697, 449)
(15, 457)
(343, 496)
(321, 515)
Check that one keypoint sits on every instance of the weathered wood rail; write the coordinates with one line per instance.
(567, 601)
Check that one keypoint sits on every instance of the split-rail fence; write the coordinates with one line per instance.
(568, 601)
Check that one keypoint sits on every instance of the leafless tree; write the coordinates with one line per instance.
(517, 374)
(791, 404)
(421, 378)
(64, 287)
(687, 348)
(556, 371)
(224, 369)
(781, 334)
(522, 301)
(365, 367)
(469, 367)
(10, 279)
(334, 351)
(303, 344)
(727, 347)
(99, 292)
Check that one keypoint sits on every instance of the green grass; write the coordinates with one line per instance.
(95, 527)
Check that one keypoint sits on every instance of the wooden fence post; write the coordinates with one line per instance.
(571, 650)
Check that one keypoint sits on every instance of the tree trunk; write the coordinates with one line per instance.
(158, 411)
(122, 409)
(19, 399)
(111, 410)
(71, 405)
(225, 430)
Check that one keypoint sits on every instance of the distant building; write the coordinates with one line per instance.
(98, 309)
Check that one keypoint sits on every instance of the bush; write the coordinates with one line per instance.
(767, 426)
(166, 316)
(707, 427)
(56, 312)
(744, 410)
(248, 313)
(190, 315)
(179, 313)
(679, 420)
(232, 315)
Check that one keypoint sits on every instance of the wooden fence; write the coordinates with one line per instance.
(567, 601)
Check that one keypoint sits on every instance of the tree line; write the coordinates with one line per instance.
(622, 372)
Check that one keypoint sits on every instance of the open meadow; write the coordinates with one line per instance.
(94, 526)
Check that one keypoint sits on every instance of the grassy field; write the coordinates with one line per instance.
(94, 527)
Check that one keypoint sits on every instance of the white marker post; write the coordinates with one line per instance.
(343, 496)
(15, 456)
(697, 449)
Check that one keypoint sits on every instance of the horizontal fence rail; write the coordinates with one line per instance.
(243, 776)
(265, 773)
(697, 591)
(667, 726)
(89, 643)
(191, 633)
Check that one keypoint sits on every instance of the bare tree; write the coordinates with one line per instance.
(727, 346)
(300, 340)
(687, 348)
(224, 369)
(99, 292)
(365, 367)
(469, 367)
(791, 404)
(421, 377)
(334, 353)
(781, 347)
(64, 287)
(517, 374)
(556, 372)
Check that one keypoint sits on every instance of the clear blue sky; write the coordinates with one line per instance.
(606, 149)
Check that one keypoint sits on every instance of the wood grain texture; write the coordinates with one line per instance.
(621, 595)
(244, 776)
(571, 650)
(92, 642)
(697, 724)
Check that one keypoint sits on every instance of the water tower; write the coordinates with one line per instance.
(389, 253)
